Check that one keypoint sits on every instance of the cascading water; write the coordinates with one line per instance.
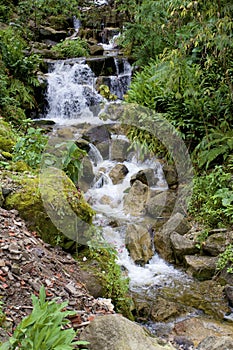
(120, 82)
(71, 92)
(71, 96)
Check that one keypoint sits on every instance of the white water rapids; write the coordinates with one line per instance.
(71, 97)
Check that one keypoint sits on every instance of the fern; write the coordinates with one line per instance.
(217, 143)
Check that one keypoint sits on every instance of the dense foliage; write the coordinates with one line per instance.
(184, 51)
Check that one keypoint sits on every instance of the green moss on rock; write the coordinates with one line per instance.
(53, 207)
(7, 137)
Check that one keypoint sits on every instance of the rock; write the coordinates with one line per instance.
(135, 201)
(114, 332)
(97, 134)
(215, 244)
(146, 176)
(201, 267)
(103, 148)
(106, 200)
(119, 150)
(197, 329)
(163, 309)
(138, 242)
(1, 197)
(170, 174)
(7, 137)
(61, 202)
(96, 50)
(92, 282)
(229, 293)
(176, 223)
(182, 245)
(87, 172)
(52, 34)
(83, 144)
(118, 173)
(216, 343)
(161, 204)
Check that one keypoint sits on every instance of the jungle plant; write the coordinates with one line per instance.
(212, 200)
(226, 259)
(43, 328)
(71, 48)
(30, 147)
(216, 146)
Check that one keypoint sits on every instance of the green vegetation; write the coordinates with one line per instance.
(71, 48)
(212, 201)
(29, 147)
(185, 58)
(226, 259)
(115, 285)
(43, 328)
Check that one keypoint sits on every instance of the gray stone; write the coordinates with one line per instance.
(135, 201)
(138, 242)
(96, 50)
(170, 174)
(216, 343)
(97, 134)
(114, 332)
(146, 176)
(88, 173)
(118, 173)
(119, 150)
(201, 267)
(182, 245)
(161, 204)
(215, 244)
(52, 34)
(229, 293)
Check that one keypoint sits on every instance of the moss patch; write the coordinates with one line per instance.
(7, 137)
(57, 213)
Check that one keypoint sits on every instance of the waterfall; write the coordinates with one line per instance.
(71, 92)
(119, 84)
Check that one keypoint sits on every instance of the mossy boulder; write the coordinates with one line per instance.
(53, 207)
(7, 137)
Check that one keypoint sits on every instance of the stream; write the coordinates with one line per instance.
(75, 105)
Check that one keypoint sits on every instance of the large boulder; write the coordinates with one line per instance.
(138, 242)
(118, 173)
(52, 34)
(135, 201)
(199, 329)
(114, 332)
(53, 207)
